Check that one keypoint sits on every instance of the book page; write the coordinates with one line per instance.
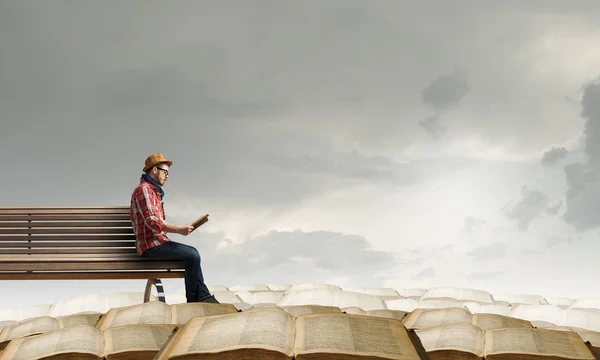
(388, 313)
(297, 310)
(536, 342)
(142, 337)
(262, 328)
(355, 310)
(75, 339)
(424, 318)
(181, 313)
(353, 335)
(78, 319)
(165, 352)
(91, 302)
(458, 336)
(496, 321)
(36, 325)
(592, 336)
(153, 312)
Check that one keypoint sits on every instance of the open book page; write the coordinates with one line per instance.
(181, 313)
(265, 305)
(424, 318)
(33, 326)
(458, 336)
(78, 319)
(353, 335)
(153, 312)
(144, 337)
(165, 352)
(262, 328)
(496, 321)
(80, 339)
(564, 344)
(297, 310)
(355, 310)
(388, 313)
(592, 336)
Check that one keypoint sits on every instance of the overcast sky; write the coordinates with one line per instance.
(359, 143)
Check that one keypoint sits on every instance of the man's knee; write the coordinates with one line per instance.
(192, 255)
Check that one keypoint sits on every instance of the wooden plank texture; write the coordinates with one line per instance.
(69, 231)
(129, 250)
(64, 224)
(65, 210)
(88, 275)
(74, 242)
(90, 265)
(73, 217)
(47, 244)
(72, 237)
(131, 257)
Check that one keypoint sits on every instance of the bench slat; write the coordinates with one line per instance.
(88, 275)
(106, 217)
(75, 242)
(69, 231)
(46, 244)
(64, 210)
(71, 257)
(64, 237)
(64, 224)
(90, 265)
(69, 251)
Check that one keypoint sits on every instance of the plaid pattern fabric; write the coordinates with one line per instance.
(147, 217)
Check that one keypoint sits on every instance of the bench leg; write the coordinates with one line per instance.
(159, 290)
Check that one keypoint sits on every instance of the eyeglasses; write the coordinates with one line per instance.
(165, 170)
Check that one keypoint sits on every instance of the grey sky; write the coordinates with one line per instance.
(368, 143)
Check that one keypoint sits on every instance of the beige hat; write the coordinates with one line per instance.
(155, 159)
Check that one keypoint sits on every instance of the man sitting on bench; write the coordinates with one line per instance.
(150, 228)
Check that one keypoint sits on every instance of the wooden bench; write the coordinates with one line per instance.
(72, 243)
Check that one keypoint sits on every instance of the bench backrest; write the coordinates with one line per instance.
(66, 230)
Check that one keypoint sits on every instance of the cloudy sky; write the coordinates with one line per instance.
(359, 143)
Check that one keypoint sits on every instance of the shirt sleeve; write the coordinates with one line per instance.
(144, 200)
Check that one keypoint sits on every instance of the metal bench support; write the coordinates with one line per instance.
(159, 290)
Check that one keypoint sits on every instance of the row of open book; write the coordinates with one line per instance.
(156, 330)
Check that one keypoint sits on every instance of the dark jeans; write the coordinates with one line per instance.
(195, 288)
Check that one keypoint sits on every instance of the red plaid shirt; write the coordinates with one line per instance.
(147, 217)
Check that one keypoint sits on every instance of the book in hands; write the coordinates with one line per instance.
(199, 221)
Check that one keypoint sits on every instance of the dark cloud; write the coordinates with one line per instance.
(472, 224)
(488, 252)
(442, 94)
(290, 257)
(432, 125)
(532, 205)
(315, 62)
(350, 165)
(553, 156)
(583, 179)
(249, 102)
(590, 111)
(547, 245)
(554, 209)
(446, 91)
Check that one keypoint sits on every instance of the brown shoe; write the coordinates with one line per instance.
(211, 299)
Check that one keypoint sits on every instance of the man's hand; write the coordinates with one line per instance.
(185, 230)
